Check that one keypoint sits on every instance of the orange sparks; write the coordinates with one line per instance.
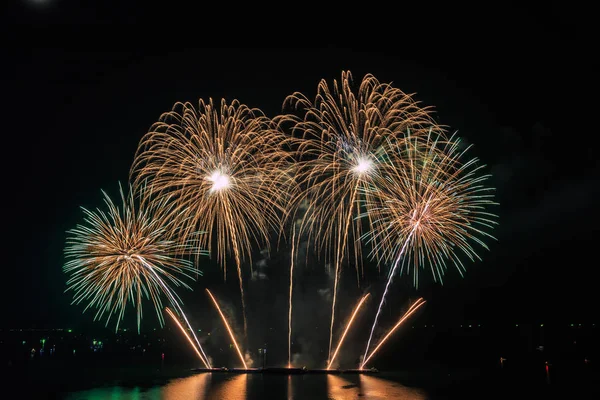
(186, 335)
(410, 311)
(347, 328)
(228, 328)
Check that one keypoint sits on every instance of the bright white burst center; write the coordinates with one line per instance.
(363, 166)
(220, 181)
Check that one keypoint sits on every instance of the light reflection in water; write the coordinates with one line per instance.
(339, 388)
(117, 393)
(233, 388)
(367, 387)
(194, 387)
(210, 386)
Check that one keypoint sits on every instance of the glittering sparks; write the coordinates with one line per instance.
(219, 180)
(432, 206)
(226, 170)
(363, 166)
(125, 255)
(344, 133)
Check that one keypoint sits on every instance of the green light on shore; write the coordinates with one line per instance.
(69, 330)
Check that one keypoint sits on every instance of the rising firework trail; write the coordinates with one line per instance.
(387, 285)
(228, 328)
(346, 330)
(176, 305)
(410, 311)
(290, 305)
(176, 320)
(225, 169)
(430, 206)
(125, 254)
(344, 132)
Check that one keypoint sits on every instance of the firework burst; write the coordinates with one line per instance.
(344, 133)
(429, 209)
(225, 170)
(125, 255)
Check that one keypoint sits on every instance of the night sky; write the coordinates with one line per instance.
(520, 84)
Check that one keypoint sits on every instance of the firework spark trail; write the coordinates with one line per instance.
(343, 134)
(238, 264)
(290, 305)
(431, 207)
(126, 254)
(224, 168)
(410, 311)
(175, 303)
(186, 335)
(427, 183)
(347, 328)
(341, 248)
(228, 328)
(391, 274)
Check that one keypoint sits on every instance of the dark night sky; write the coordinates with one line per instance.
(517, 83)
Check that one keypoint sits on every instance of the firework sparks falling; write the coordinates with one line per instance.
(347, 328)
(225, 169)
(228, 328)
(123, 255)
(343, 136)
(174, 317)
(431, 206)
(416, 305)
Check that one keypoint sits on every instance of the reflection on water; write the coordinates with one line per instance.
(233, 388)
(117, 393)
(207, 386)
(194, 387)
(341, 388)
(369, 387)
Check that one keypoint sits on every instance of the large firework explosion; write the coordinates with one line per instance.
(366, 166)
(124, 255)
(344, 135)
(225, 170)
(429, 209)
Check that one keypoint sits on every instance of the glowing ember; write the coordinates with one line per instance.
(363, 166)
(220, 181)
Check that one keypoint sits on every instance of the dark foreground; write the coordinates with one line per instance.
(492, 363)
(54, 379)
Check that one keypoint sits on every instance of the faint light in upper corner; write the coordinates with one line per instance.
(39, 3)
(363, 166)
